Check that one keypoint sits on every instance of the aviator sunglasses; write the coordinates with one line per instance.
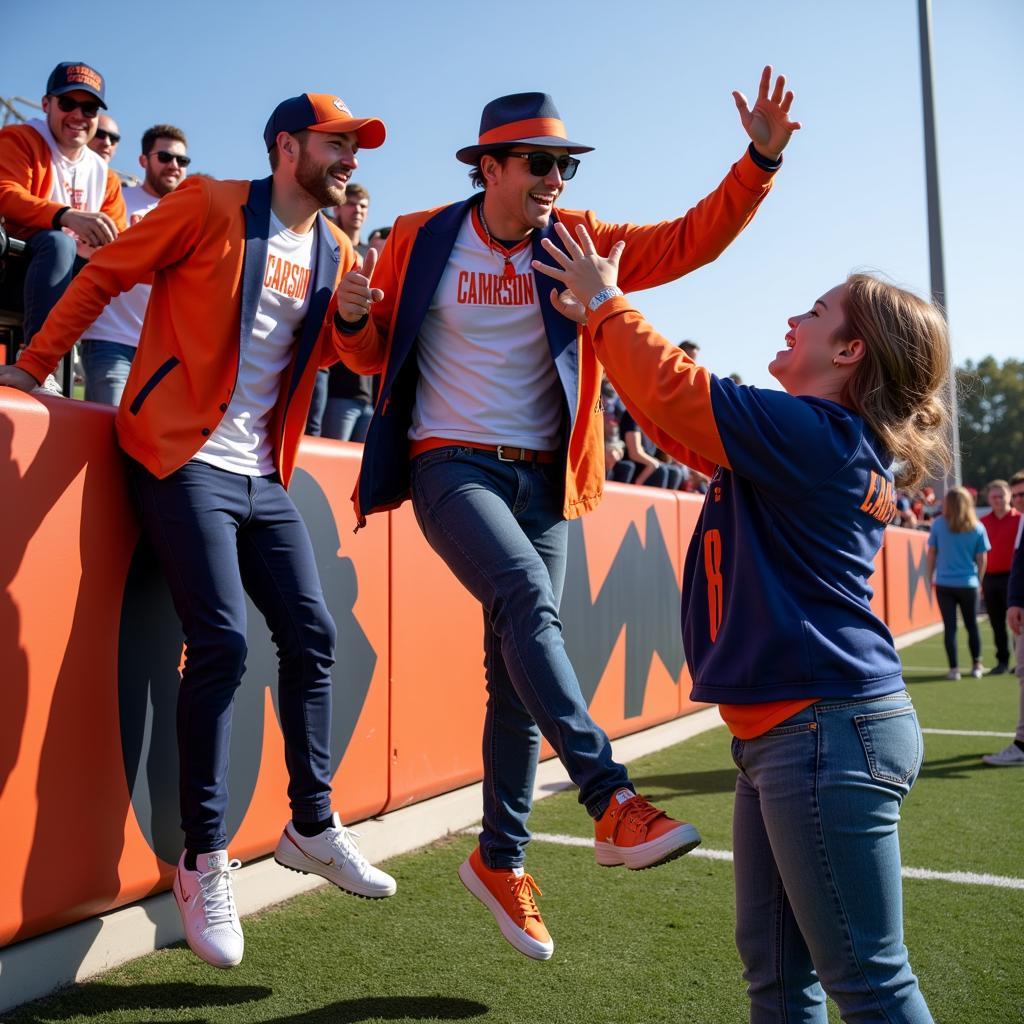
(89, 108)
(112, 137)
(541, 164)
(165, 158)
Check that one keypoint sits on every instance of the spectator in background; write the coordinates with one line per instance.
(378, 237)
(1001, 526)
(55, 191)
(691, 348)
(614, 449)
(640, 464)
(1013, 755)
(957, 553)
(735, 378)
(342, 400)
(1017, 492)
(107, 136)
(109, 346)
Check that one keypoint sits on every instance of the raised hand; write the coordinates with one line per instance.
(355, 296)
(584, 271)
(568, 305)
(768, 124)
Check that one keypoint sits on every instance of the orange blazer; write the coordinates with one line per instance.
(205, 248)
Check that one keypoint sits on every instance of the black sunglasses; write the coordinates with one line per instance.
(90, 108)
(541, 164)
(165, 158)
(112, 137)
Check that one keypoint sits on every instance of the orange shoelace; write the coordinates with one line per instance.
(522, 888)
(639, 813)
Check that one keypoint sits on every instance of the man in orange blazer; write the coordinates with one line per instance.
(238, 323)
(490, 416)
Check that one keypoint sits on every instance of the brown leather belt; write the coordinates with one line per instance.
(505, 452)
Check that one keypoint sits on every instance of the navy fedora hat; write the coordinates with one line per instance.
(524, 118)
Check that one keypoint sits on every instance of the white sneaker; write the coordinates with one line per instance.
(207, 906)
(1007, 758)
(953, 673)
(335, 856)
(978, 671)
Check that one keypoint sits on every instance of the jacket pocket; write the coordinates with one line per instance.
(158, 376)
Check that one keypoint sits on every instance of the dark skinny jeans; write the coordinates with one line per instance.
(966, 599)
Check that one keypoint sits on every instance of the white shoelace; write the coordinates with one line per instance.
(344, 841)
(217, 895)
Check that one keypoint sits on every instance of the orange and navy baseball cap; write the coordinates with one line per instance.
(524, 118)
(75, 75)
(321, 112)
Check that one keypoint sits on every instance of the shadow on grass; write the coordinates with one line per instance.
(658, 787)
(95, 999)
(958, 767)
(351, 1011)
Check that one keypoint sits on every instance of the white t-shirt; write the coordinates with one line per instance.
(241, 442)
(486, 372)
(80, 184)
(121, 321)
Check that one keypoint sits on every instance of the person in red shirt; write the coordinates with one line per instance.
(1001, 525)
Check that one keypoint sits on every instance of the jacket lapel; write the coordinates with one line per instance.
(561, 331)
(427, 261)
(326, 273)
(257, 234)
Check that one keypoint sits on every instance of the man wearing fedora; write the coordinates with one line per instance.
(237, 325)
(489, 416)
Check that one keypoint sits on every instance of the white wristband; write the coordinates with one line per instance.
(603, 296)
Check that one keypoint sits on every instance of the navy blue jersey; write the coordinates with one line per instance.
(777, 604)
(776, 600)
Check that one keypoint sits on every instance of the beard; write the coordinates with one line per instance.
(316, 180)
(158, 185)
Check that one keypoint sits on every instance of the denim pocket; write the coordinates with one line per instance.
(421, 462)
(892, 744)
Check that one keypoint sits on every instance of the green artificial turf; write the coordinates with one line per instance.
(631, 947)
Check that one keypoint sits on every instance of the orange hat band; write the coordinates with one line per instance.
(516, 130)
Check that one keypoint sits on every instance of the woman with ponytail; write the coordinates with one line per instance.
(777, 620)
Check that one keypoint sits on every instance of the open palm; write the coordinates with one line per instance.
(768, 124)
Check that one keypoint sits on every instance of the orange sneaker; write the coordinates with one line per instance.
(632, 831)
(508, 894)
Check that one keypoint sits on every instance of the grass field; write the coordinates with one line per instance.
(631, 948)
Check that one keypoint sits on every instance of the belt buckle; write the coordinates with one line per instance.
(500, 449)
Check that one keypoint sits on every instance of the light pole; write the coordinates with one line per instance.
(931, 167)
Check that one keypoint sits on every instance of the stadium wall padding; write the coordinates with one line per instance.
(90, 650)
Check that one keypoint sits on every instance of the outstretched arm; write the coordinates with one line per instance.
(666, 391)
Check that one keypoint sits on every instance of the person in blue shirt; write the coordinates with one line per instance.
(777, 621)
(958, 547)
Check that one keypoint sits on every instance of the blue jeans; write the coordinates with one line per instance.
(219, 536)
(346, 419)
(106, 365)
(52, 262)
(499, 527)
(819, 895)
(317, 404)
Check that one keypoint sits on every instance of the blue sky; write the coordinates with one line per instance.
(648, 84)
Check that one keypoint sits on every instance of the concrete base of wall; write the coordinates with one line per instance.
(36, 967)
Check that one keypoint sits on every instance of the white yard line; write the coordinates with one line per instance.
(968, 732)
(957, 877)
